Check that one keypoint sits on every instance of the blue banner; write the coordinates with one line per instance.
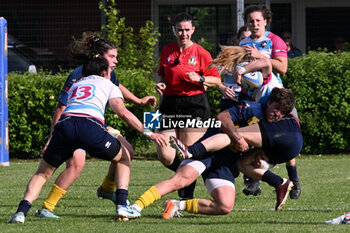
(4, 131)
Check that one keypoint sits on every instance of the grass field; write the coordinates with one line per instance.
(325, 195)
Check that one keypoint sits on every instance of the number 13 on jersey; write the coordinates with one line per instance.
(83, 93)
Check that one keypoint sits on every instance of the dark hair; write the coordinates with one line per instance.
(241, 30)
(265, 11)
(234, 40)
(88, 47)
(285, 99)
(181, 17)
(95, 66)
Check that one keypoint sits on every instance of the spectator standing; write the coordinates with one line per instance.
(292, 51)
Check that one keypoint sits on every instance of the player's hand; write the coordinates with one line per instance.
(151, 100)
(253, 51)
(241, 145)
(160, 87)
(227, 92)
(159, 139)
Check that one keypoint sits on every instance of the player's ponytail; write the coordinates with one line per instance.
(229, 57)
(88, 47)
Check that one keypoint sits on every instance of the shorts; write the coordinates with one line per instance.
(220, 165)
(87, 133)
(282, 140)
(180, 108)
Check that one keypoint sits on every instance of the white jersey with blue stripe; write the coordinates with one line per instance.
(263, 44)
(89, 96)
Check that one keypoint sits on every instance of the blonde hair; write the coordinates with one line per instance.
(229, 57)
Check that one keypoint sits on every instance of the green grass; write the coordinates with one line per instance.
(325, 195)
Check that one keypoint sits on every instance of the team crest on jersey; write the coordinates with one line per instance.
(192, 61)
(263, 44)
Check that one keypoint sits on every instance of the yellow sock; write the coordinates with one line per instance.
(148, 197)
(108, 184)
(191, 206)
(54, 196)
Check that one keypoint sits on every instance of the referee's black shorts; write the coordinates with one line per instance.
(179, 107)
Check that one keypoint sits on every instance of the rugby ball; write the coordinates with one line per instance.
(251, 80)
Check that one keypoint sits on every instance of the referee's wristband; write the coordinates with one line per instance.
(147, 132)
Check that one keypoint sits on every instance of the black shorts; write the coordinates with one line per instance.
(72, 133)
(180, 108)
(282, 140)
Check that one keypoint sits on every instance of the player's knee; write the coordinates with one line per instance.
(165, 160)
(225, 208)
(77, 162)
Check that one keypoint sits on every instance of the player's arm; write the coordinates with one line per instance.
(134, 99)
(251, 135)
(280, 64)
(57, 115)
(210, 81)
(263, 64)
(119, 108)
(229, 128)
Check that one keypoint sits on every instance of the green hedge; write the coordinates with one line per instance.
(320, 81)
(321, 84)
(33, 99)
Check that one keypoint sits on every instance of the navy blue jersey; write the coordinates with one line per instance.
(282, 140)
(247, 113)
(74, 76)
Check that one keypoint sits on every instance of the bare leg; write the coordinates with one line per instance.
(74, 167)
(291, 162)
(122, 168)
(183, 177)
(41, 176)
(166, 154)
(190, 135)
(216, 142)
(247, 165)
(224, 200)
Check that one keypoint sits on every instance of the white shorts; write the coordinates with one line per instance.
(214, 183)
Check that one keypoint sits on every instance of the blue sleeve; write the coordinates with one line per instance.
(114, 79)
(248, 111)
(75, 75)
(235, 113)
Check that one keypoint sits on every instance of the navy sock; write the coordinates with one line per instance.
(272, 179)
(122, 196)
(175, 164)
(292, 172)
(197, 150)
(24, 207)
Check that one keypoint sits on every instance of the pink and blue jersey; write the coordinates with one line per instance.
(270, 45)
(88, 97)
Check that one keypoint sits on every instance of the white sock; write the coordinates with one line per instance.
(182, 205)
(136, 207)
